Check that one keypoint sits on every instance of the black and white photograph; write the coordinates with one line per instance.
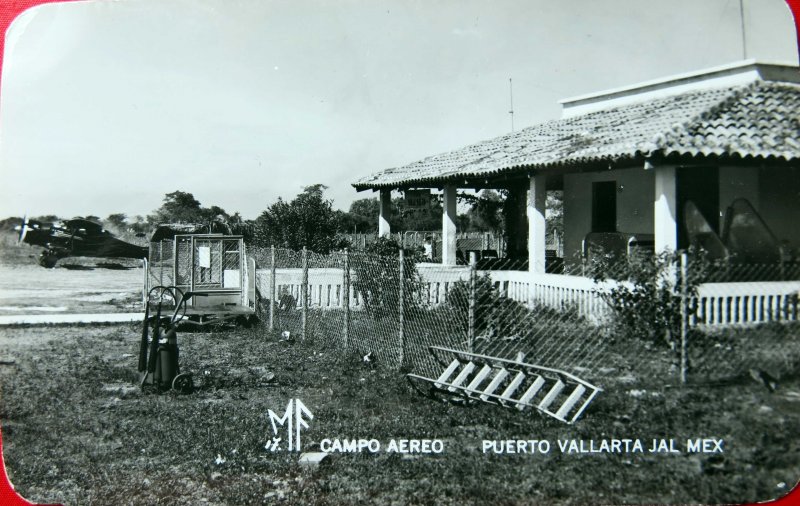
(518, 252)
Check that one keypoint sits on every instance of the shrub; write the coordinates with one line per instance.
(646, 300)
(495, 314)
(377, 276)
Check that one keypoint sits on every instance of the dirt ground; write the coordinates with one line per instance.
(77, 430)
(73, 286)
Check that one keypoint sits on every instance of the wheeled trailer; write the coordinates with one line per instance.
(213, 267)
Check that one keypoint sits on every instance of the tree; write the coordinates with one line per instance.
(403, 218)
(10, 222)
(178, 207)
(182, 207)
(119, 221)
(47, 218)
(485, 213)
(139, 225)
(214, 213)
(362, 217)
(309, 220)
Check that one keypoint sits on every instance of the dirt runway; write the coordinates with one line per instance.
(70, 288)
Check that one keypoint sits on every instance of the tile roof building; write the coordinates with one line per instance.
(733, 129)
(757, 120)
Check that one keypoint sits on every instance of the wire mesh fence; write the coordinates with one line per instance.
(744, 321)
(670, 318)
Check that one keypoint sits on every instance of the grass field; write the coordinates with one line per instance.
(76, 430)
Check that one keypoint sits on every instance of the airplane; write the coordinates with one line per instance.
(73, 238)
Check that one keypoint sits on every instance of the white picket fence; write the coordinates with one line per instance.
(717, 303)
(747, 302)
(324, 286)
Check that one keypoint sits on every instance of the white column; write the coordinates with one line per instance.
(383, 218)
(449, 226)
(665, 225)
(537, 198)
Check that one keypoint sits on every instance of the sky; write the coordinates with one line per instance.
(105, 106)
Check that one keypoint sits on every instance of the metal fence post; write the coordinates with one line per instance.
(401, 309)
(471, 319)
(161, 262)
(272, 289)
(346, 298)
(305, 293)
(684, 315)
(145, 281)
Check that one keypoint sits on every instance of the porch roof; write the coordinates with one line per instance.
(760, 121)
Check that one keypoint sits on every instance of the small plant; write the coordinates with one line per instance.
(646, 300)
(495, 314)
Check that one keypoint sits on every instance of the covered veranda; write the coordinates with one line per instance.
(628, 161)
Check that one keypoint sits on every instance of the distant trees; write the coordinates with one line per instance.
(309, 220)
(118, 221)
(9, 223)
(183, 207)
(138, 224)
(485, 213)
(362, 217)
(46, 218)
(405, 218)
(178, 207)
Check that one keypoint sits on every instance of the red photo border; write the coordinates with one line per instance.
(10, 9)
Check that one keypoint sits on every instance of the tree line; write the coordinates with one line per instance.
(309, 219)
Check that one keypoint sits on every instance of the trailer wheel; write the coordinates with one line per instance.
(183, 383)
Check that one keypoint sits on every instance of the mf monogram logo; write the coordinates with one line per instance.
(295, 420)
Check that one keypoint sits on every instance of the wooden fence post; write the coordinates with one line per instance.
(346, 298)
(471, 320)
(684, 315)
(401, 309)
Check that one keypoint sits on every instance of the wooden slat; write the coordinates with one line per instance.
(513, 386)
(462, 376)
(478, 379)
(570, 402)
(551, 395)
(530, 393)
(447, 373)
(501, 375)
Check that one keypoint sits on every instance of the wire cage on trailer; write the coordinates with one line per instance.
(214, 268)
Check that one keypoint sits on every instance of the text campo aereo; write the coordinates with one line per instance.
(374, 446)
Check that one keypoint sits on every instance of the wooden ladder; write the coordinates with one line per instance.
(509, 383)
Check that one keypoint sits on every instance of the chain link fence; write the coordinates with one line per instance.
(670, 319)
(744, 321)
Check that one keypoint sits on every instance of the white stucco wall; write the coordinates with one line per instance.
(773, 191)
(634, 204)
